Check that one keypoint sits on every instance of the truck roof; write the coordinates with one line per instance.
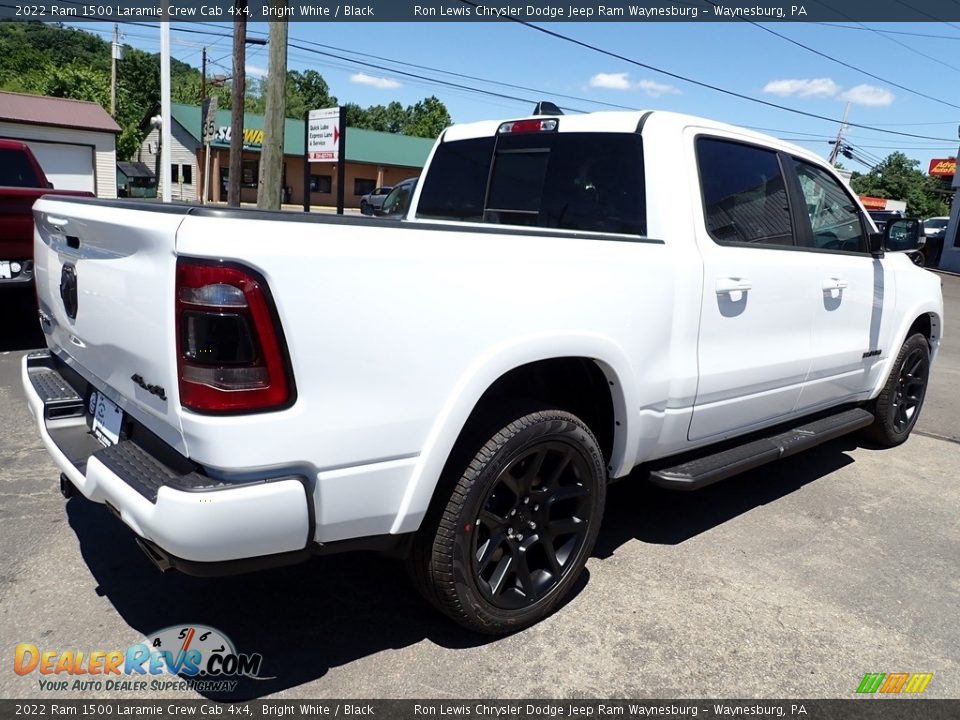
(626, 122)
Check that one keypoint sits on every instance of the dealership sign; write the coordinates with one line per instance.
(323, 135)
(943, 168)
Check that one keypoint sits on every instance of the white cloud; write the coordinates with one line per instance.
(256, 71)
(816, 87)
(621, 81)
(377, 82)
(610, 81)
(655, 89)
(868, 95)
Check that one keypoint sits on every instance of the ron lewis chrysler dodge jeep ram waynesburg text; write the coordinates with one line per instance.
(569, 297)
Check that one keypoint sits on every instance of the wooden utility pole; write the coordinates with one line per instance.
(236, 110)
(838, 143)
(270, 191)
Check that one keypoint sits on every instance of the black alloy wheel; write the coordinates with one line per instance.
(514, 519)
(532, 524)
(910, 389)
(898, 405)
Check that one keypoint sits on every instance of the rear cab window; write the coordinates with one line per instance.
(591, 182)
(16, 170)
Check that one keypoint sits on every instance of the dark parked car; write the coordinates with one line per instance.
(373, 200)
(934, 229)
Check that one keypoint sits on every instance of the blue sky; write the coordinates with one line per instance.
(737, 56)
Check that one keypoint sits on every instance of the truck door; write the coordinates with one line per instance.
(756, 319)
(848, 319)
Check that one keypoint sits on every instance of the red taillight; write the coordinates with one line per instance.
(528, 126)
(230, 352)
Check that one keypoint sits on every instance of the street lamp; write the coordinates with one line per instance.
(156, 122)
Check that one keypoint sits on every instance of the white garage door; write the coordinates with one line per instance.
(68, 167)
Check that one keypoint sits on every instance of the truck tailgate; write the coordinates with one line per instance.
(105, 280)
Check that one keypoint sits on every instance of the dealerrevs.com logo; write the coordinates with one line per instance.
(196, 656)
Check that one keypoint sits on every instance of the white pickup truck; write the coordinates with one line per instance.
(568, 299)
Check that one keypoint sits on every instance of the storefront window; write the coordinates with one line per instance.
(250, 173)
(362, 186)
(321, 183)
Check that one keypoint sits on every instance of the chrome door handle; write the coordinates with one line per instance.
(833, 286)
(734, 287)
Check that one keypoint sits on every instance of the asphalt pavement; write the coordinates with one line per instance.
(793, 580)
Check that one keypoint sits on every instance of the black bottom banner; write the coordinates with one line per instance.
(854, 709)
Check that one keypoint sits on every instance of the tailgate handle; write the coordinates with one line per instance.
(73, 242)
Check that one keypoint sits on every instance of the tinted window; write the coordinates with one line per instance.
(15, 171)
(744, 195)
(834, 216)
(456, 182)
(935, 223)
(575, 181)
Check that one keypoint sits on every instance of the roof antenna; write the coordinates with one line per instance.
(545, 107)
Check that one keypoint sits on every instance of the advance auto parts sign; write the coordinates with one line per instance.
(943, 168)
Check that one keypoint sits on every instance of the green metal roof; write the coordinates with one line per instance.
(363, 146)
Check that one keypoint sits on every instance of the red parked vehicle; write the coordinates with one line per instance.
(22, 181)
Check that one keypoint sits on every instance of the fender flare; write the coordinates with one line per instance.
(482, 374)
(936, 321)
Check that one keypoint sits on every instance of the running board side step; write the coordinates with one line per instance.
(695, 474)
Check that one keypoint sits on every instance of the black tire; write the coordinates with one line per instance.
(898, 405)
(365, 209)
(505, 547)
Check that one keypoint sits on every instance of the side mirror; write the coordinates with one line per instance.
(902, 235)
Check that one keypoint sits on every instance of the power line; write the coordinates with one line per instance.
(841, 26)
(421, 77)
(846, 64)
(701, 83)
(893, 40)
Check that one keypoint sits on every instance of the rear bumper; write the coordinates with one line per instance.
(184, 516)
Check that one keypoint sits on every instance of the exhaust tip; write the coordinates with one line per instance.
(155, 555)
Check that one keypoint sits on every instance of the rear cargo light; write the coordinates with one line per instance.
(231, 356)
(527, 126)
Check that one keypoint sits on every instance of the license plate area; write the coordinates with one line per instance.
(106, 419)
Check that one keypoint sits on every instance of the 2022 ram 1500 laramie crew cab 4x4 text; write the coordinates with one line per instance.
(569, 298)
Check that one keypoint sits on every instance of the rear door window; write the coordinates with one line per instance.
(575, 181)
(744, 193)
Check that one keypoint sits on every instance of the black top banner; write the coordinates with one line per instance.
(639, 11)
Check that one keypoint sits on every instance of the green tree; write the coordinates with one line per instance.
(428, 118)
(307, 91)
(899, 178)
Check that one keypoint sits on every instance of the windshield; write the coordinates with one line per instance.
(575, 181)
(936, 223)
(399, 199)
